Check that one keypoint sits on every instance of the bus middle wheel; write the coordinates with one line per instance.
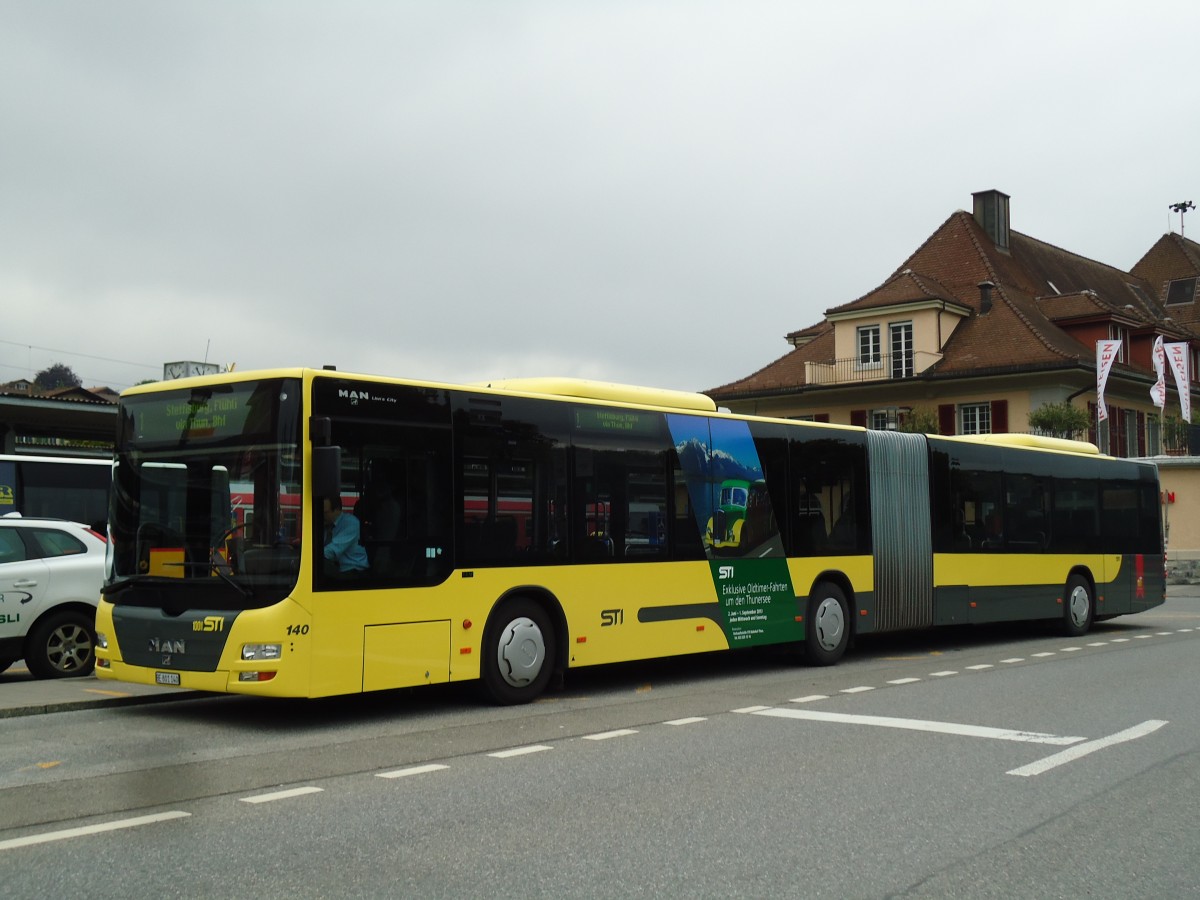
(826, 625)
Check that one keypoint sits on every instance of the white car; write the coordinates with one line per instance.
(51, 572)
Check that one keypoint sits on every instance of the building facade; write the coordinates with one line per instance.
(981, 326)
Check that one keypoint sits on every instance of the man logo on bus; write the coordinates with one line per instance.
(725, 572)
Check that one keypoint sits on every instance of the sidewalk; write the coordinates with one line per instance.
(23, 695)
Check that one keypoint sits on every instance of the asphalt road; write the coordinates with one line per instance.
(991, 762)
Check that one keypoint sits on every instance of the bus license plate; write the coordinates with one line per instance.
(167, 678)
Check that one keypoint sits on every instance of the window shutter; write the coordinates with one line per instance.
(945, 418)
(858, 417)
(821, 417)
(1092, 425)
(999, 416)
(1141, 434)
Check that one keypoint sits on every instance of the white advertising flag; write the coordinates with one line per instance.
(1179, 356)
(1158, 392)
(1106, 355)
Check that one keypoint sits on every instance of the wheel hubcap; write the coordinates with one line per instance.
(69, 648)
(830, 623)
(1080, 604)
(522, 652)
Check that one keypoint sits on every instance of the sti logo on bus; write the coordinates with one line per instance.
(724, 572)
(209, 623)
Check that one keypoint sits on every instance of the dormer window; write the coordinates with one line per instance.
(1120, 333)
(1181, 291)
(869, 347)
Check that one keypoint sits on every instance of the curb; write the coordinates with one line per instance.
(56, 706)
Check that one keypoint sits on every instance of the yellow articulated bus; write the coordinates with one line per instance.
(307, 533)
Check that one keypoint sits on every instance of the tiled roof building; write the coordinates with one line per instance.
(980, 326)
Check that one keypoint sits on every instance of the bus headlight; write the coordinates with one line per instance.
(261, 651)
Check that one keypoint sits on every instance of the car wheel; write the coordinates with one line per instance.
(62, 645)
(518, 652)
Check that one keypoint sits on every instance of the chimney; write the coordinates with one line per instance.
(991, 212)
(985, 296)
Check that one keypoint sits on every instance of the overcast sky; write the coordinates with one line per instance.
(643, 192)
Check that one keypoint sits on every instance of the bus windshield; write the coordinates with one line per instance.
(205, 498)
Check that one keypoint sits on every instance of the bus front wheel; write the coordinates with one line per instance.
(827, 625)
(518, 652)
(1079, 608)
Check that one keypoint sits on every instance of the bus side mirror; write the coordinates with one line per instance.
(327, 471)
(320, 430)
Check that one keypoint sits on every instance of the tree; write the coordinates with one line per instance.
(920, 420)
(1059, 420)
(57, 376)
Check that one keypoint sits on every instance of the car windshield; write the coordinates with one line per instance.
(206, 495)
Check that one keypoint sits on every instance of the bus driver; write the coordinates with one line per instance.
(344, 555)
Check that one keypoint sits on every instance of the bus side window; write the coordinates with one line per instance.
(1027, 513)
(812, 534)
(686, 540)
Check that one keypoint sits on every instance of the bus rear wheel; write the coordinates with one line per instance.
(827, 625)
(518, 652)
(1079, 609)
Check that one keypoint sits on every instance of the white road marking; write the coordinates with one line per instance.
(1069, 649)
(1044, 654)
(690, 720)
(979, 731)
(809, 699)
(605, 735)
(981, 667)
(1015, 659)
(281, 795)
(942, 674)
(1066, 756)
(412, 770)
(857, 690)
(750, 709)
(904, 681)
(520, 751)
(13, 843)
